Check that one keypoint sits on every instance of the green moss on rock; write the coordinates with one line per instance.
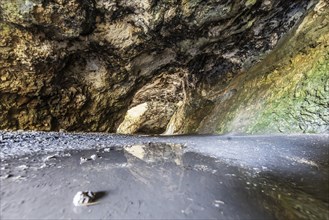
(288, 92)
(300, 103)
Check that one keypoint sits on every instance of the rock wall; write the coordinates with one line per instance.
(126, 66)
(288, 92)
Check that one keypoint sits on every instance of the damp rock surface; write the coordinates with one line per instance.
(288, 92)
(135, 66)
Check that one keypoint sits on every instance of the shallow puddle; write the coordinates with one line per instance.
(148, 181)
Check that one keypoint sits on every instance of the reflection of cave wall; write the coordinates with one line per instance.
(129, 66)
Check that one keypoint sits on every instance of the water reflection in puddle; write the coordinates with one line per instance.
(143, 181)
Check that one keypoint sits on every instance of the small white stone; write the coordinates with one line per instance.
(83, 160)
(50, 157)
(6, 176)
(93, 157)
(83, 198)
(67, 155)
(22, 167)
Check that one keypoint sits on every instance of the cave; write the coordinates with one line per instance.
(173, 67)
(219, 88)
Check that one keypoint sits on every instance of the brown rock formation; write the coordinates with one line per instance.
(84, 65)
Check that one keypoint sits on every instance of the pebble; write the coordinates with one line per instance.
(84, 198)
(93, 157)
(50, 157)
(83, 160)
(22, 167)
(7, 176)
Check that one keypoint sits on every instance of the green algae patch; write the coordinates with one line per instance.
(287, 92)
(299, 101)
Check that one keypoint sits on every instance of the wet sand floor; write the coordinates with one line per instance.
(196, 177)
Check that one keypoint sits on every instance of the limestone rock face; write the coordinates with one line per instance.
(131, 66)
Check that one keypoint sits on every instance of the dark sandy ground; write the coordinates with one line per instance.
(177, 177)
